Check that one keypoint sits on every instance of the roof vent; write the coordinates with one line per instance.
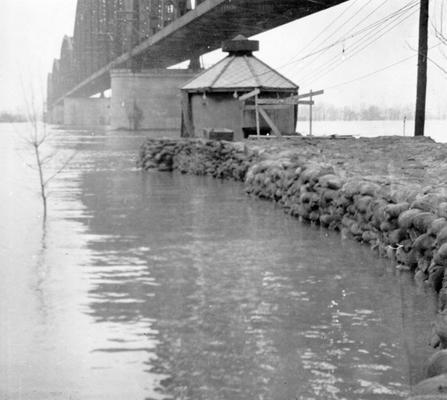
(240, 45)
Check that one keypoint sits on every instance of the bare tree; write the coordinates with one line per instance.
(37, 137)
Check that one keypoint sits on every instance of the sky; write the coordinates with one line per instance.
(31, 33)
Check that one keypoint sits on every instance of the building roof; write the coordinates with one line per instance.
(240, 70)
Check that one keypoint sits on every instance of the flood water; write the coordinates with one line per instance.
(155, 285)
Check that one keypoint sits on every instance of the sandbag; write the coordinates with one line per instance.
(406, 218)
(423, 264)
(329, 195)
(435, 277)
(313, 172)
(330, 181)
(369, 236)
(423, 221)
(355, 229)
(427, 202)
(397, 235)
(347, 222)
(394, 210)
(437, 225)
(406, 257)
(386, 226)
(363, 203)
(441, 255)
(351, 187)
(432, 386)
(442, 209)
(424, 242)
(441, 237)
(369, 188)
(440, 328)
(309, 198)
(327, 219)
(437, 364)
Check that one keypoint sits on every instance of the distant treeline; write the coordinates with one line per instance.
(11, 117)
(325, 112)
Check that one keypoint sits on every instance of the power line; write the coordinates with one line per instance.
(437, 65)
(340, 40)
(352, 28)
(376, 71)
(371, 73)
(324, 30)
(359, 46)
(393, 17)
(387, 21)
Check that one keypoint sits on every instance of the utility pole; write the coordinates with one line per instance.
(422, 70)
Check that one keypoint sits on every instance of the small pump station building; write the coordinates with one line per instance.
(226, 96)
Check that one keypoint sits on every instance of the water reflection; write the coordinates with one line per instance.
(156, 285)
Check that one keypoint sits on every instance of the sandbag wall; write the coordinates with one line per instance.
(404, 223)
(222, 160)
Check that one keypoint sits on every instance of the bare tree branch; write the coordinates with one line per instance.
(59, 170)
(37, 137)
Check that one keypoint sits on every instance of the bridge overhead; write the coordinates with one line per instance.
(187, 36)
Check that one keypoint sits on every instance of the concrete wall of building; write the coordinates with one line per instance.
(217, 111)
(222, 110)
(283, 116)
(148, 100)
(85, 112)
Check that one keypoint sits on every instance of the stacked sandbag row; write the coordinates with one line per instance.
(159, 153)
(408, 227)
(413, 233)
(434, 386)
(314, 192)
(225, 160)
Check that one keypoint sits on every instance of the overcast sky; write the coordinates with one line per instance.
(31, 33)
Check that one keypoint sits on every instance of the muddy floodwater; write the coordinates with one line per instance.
(155, 285)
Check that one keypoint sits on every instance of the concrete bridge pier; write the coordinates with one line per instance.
(86, 112)
(148, 100)
(81, 112)
(55, 114)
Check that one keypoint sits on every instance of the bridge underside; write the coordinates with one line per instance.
(203, 30)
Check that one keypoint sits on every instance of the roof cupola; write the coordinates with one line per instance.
(240, 46)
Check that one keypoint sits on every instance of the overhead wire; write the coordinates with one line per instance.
(373, 29)
(324, 30)
(318, 56)
(437, 65)
(372, 33)
(357, 50)
(371, 73)
(360, 45)
(338, 41)
(352, 35)
(376, 71)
